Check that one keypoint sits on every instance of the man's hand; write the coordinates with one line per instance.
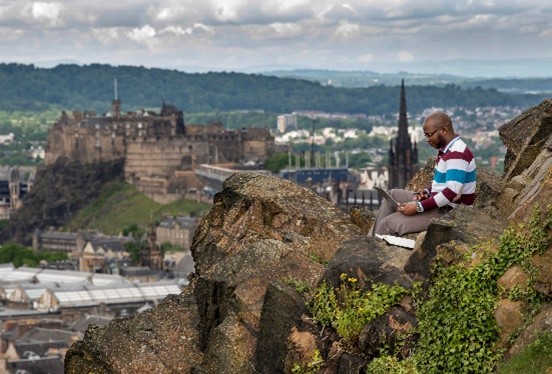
(408, 209)
(420, 195)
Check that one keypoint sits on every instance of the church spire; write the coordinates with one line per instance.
(403, 121)
(403, 155)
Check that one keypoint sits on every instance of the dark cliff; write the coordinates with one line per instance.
(60, 191)
(239, 313)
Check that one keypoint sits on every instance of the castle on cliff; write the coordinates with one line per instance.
(159, 151)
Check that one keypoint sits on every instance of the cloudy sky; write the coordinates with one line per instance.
(239, 35)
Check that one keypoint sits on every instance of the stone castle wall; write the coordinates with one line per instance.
(153, 146)
(161, 158)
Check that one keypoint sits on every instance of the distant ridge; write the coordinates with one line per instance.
(90, 87)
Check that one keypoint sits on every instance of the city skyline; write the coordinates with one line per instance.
(471, 37)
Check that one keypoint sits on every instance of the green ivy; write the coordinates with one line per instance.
(458, 332)
(391, 365)
(348, 309)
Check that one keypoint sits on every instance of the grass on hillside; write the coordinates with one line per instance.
(535, 359)
(121, 205)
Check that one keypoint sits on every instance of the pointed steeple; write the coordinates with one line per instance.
(403, 153)
(403, 121)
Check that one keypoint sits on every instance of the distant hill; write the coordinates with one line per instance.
(91, 87)
(120, 205)
(369, 78)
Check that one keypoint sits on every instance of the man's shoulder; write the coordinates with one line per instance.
(459, 146)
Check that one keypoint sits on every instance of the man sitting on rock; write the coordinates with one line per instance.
(453, 183)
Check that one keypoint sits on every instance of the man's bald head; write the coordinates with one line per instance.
(439, 119)
(438, 130)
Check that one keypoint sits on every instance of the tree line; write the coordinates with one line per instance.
(91, 87)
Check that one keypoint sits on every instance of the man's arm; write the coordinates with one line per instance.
(454, 171)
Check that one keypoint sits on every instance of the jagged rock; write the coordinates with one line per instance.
(463, 225)
(370, 261)
(542, 323)
(543, 278)
(524, 137)
(261, 230)
(489, 187)
(362, 217)
(151, 342)
(394, 331)
(514, 276)
(508, 318)
(531, 187)
(283, 309)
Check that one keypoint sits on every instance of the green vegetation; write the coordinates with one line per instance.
(20, 255)
(457, 328)
(121, 205)
(90, 87)
(536, 358)
(311, 367)
(348, 309)
(299, 286)
(391, 365)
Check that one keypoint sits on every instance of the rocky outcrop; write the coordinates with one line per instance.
(60, 190)
(527, 168)
(262, 231)
(266, 239)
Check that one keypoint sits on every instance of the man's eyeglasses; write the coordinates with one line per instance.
(429, 135)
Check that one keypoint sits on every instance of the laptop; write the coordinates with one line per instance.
(387, 197)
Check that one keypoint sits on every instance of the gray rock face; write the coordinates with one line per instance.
(261, 230)
(524, 137)
(462, 225)
(152, 342)
(370, 261)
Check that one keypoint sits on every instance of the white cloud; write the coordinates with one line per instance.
(228, 10)
(196, 29)
(145, 34)
(347, 30)
(322, 33)
(48, 12)
(287, 29)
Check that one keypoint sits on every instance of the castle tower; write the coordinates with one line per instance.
(403, 154)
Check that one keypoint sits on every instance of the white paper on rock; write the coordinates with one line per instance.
(398, 241)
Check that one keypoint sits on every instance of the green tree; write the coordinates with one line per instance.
(134, 248)
(18, 255)
(277, 162)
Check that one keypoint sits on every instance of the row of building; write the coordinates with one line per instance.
(43, 311)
